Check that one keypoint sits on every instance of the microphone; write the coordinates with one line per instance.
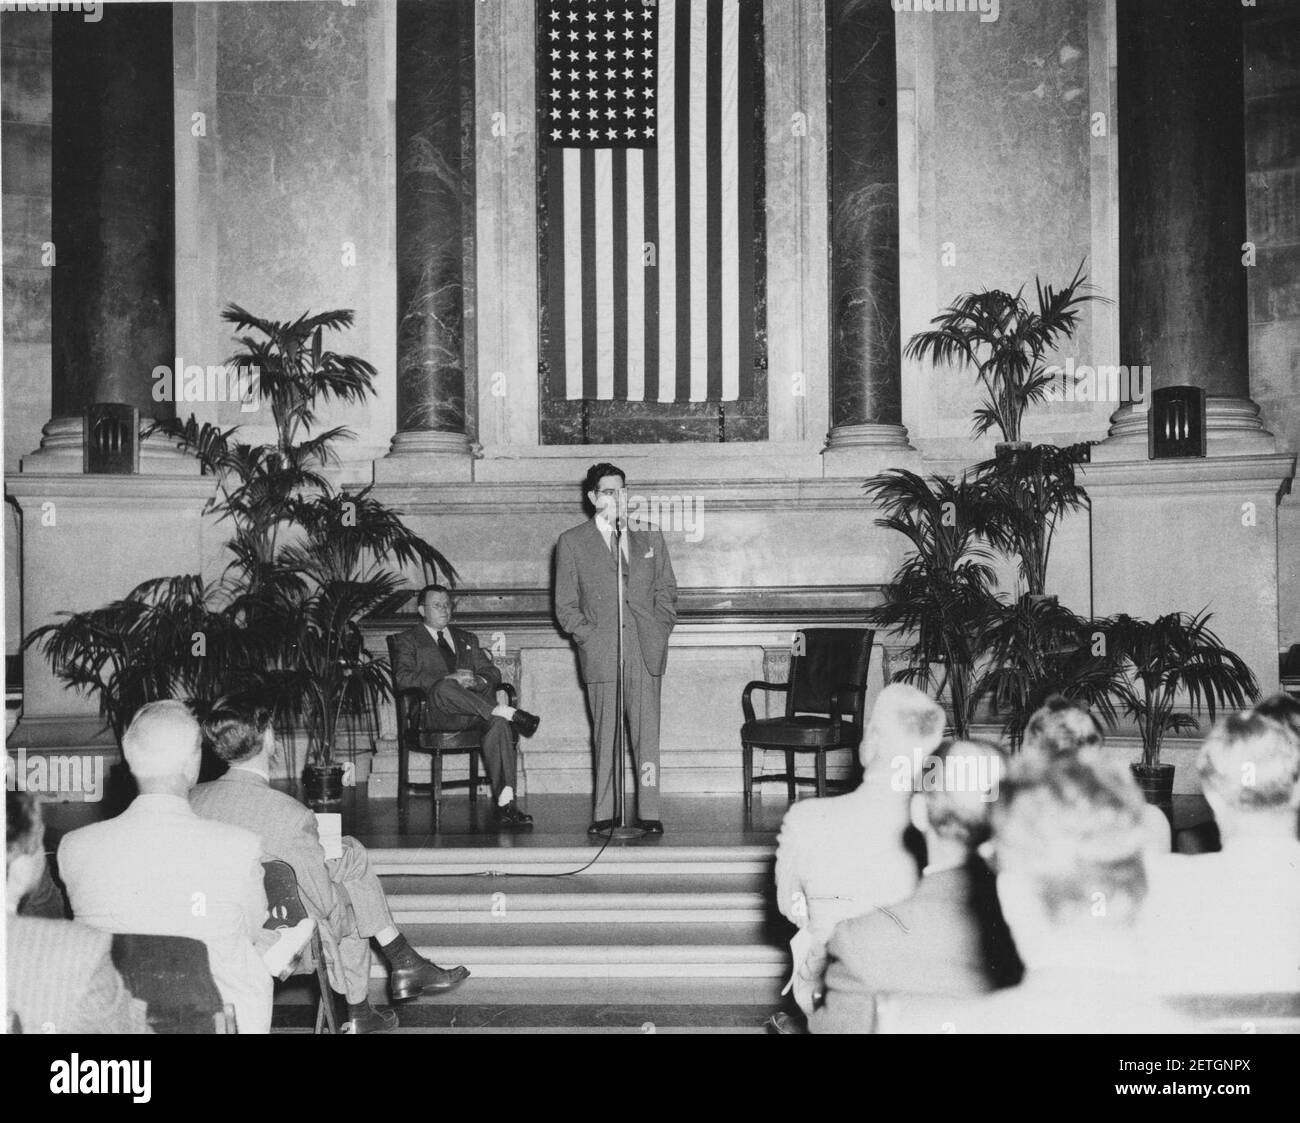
(620, 513)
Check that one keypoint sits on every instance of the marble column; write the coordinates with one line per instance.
(113, 226)
(1183, 535)
(435, 184)
(866, 397)
(1182, 214)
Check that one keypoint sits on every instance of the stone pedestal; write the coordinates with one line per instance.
(88, 540)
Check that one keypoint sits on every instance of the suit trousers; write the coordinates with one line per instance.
(458, 702)
(367, 915)
(641, 706)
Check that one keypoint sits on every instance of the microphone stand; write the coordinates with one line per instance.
(622, 829)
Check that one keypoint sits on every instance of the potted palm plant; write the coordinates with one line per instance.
(1006, 340)
(1032, 487)
(1161, 673)
(941, 594)
(307, 561)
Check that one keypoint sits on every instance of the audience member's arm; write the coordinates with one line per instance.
(107, 1006)
(567, 603)
(790, 898)
(255, 908)
(310, 866)
(849, 1005)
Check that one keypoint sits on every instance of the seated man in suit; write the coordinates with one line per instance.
(1067, 847)
(160, 870)
(948, 937)
(840, 857)
(1061, 726)
(342, 894)
(459, 681)
(59, 974)
(1229, 922)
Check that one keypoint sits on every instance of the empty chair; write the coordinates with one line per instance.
(824, 701)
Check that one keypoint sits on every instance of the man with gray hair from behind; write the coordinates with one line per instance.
(1229, 922)
(158, 869)
(840, 857)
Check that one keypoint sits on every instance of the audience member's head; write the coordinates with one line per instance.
(954, 804)
(24, 847)
(162, 748)
(1282, 708)
(1249, 767)
(1068, 840)
(902, 721)
(1061, 726)
(238, 734)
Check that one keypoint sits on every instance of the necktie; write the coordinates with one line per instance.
(447, 651)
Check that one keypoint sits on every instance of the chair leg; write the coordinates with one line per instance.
(747, 757)
(473, 776)
(326, 1015)
(403, 773)
(821, 774)
(789, 775)
(435, 774)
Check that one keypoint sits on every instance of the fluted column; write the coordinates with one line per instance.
(435, 183)
(866, 396)
(1182, 214)
(113, 226)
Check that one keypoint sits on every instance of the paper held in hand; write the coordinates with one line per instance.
(330, 826)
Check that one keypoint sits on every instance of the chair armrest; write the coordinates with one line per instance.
(509, 691)
(747, 705)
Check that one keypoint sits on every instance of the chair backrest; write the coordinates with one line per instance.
(171, 975)
(284, 903)
(821, 660)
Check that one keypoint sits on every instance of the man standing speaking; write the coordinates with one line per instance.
(586, 605)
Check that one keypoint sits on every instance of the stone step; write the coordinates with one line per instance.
(604, 950)
(579, 861)
(579, 900)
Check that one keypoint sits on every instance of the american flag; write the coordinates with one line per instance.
(646, 115)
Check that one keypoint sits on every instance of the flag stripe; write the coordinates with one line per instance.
(699, 142)
(618, 266)
(713, 179)
(634, 279)
(588, 272)
(652, 274)
(728, 319)
(604, 224)
(682, 203)
(556, 274)
(667, 213)
(747, 142)
(573, 295)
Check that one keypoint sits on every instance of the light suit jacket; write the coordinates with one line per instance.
(160, 870)
(586, 604)
(288, 831)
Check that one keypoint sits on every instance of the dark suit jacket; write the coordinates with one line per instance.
(420, 663)
(61, 979)
(947, 938)
(587, 607)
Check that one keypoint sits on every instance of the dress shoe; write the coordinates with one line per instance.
(380, 1019)
(511, 818)
(525, 722)
(600, 825)
(407, 982)
(650, 826)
